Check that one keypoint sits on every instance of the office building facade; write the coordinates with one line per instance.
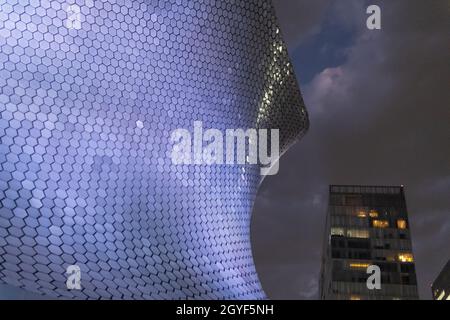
(441, 286)
(367, 226)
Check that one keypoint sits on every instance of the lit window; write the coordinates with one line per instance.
(373, 213)
(380, 223)
(362, 214)
(441, 296)
(358, 233)
(390, 258)
(405, 257)
(359, 265)
(401, 224)
(337, 231)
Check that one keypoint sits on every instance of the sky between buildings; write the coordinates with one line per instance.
(379, 104)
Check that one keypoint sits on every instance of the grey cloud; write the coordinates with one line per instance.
(299, 288)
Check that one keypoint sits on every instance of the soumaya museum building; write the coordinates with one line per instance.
(441, 285)
(90, 92)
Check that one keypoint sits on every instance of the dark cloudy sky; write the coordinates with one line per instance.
(379, 107)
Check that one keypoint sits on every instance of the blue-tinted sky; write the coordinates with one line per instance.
(327, 49)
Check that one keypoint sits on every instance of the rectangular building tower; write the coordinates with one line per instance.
(367, 225)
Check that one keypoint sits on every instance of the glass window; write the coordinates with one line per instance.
(380, 223)
(373, 213)
(390, 258)
(337, 231)
(358, 233)
(405, 257)
(353, 200)
(401, 224)
(361, 214)
(358, 265)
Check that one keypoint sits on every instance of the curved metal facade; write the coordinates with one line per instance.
(87, 108)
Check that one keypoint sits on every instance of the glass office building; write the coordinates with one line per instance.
(367, 225)
(441, 286)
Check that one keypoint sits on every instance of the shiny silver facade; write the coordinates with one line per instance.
(87, 107)
(440, 288)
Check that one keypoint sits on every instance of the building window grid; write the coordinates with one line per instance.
(396, 235)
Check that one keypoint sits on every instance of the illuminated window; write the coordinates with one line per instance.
(358, 233)
(373, 213)
(401, 224)
(337, 231)
(358, 265)
(362, 214)
(405, 257)
(441, 296)
(380, 223)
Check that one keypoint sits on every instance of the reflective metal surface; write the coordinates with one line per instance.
(90, 92)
